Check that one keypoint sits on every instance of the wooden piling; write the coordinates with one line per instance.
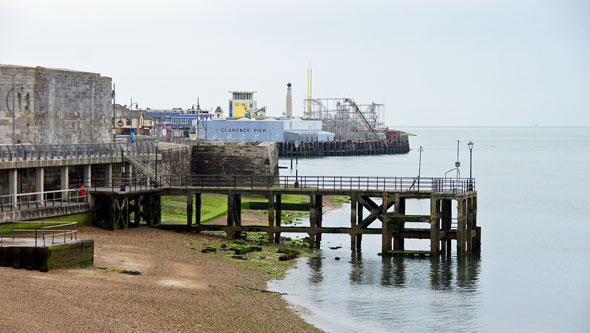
(197, 209)
(189, 210)
(271, 217)
(434, 225)
(277, 236)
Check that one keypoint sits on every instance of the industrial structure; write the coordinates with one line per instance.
(347, 119)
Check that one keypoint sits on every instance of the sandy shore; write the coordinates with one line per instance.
(179, 289)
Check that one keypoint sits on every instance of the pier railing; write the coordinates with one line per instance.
(29, 152)
(455, 185)
(37, 233)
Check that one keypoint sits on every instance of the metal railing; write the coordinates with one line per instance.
(37, 233)
(454, 185)
(36, 200)
(30, 152)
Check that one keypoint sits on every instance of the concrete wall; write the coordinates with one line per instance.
(235, 158)
(58, 106)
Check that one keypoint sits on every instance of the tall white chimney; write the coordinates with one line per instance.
(289, 111)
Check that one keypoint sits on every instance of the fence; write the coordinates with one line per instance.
(29, 152)
(36, 200)
(37, 233)
(455, 185)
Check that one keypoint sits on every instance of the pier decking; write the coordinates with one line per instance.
(384, 198)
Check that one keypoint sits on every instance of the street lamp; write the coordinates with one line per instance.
(419, 166)
(297, 164)
(156, 183)
(470, 145)
(11, 111)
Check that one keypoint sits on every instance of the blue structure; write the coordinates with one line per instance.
(264, 130)
(177, 118)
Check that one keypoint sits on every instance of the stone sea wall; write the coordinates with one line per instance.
(58, 106)
(235, 158)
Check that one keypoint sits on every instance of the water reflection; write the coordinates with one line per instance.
(356, 271)
(315, 265)
(445, 273)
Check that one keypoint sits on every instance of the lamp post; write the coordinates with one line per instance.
(156, 182)
(297, 164)
(11, 111)
(122, 169)
(114, 114)
(470, 145)
(419, 166)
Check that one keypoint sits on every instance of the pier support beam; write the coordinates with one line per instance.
(40, 184)
(461, 226)
(87, 181)
(197, 209)
(108, 176)
(13, 186)
(189, 210)
(477, 238)
(353, 223)
(399, 225)
(277, 236)
(446, 220)
(234, 214)
(64, 181)
(271, 217)
(434, 226)
(315, 220)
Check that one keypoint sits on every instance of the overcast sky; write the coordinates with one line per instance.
(434, 63)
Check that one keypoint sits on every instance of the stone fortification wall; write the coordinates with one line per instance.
(58, 106)
(235, 158)
(176, 160)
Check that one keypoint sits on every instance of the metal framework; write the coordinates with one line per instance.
(347, 119)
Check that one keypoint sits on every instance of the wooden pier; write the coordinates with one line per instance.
(372, 199)
(344, 147)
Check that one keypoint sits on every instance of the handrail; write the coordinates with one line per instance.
(10, 232)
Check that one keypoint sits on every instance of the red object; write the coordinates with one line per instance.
(120, 123)
(82, 190)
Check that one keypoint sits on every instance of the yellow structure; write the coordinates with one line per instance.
(242, 104)
(309, 91)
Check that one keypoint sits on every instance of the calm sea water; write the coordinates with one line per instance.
(533, 273)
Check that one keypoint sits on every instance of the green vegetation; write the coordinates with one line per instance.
(341, 199)
(84, 219)
(215, 205)
(118, 270)
(212, 206)
(255, 252)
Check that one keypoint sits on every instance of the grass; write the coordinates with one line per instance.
(212, 206)
(215, 205)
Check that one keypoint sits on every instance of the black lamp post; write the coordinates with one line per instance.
(122, 169)
(470, 145)
(156, 183)
(297, 165)
(420, 166)
(11, 111)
